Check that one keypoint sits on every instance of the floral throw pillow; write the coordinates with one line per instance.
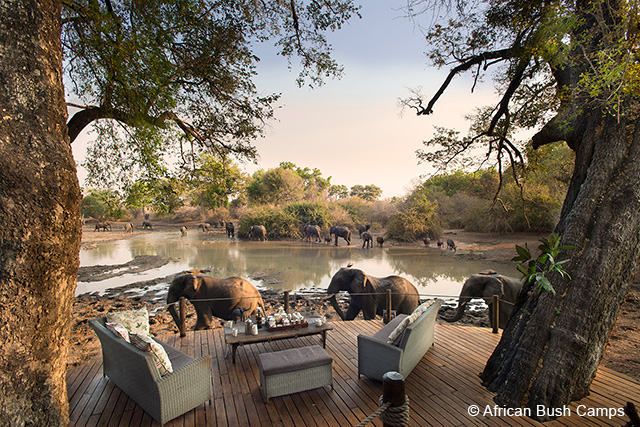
(395, 336)
(160, 357)
(118, 330)
(135, 321)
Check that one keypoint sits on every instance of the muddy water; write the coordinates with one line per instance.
(283, 265)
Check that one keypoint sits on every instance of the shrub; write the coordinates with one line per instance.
(420, 220)
(310, 213)
(279, 223)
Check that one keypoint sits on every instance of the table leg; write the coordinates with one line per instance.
(234, 347)
(324, 339)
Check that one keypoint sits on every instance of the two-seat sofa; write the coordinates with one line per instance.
(377, 357)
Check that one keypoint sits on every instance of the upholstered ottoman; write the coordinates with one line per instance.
(294, 370)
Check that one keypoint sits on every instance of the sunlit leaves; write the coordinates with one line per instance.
(536, 270)
(186, 66)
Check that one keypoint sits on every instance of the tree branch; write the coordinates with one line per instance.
(502, 54)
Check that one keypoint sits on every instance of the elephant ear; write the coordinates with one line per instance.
(192, 285)
(494, 286)
(357, 282)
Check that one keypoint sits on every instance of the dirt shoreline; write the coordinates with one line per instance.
(622, 353)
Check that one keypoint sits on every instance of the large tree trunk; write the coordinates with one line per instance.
(551, 348)
(39, 213)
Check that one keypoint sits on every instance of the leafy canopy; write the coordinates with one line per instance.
(176, 76)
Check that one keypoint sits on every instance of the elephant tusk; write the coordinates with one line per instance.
(329, 297)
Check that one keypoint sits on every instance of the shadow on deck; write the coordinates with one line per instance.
(441, 388)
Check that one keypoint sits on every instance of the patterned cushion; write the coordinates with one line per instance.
(118, 330)
(148, 344)
(136, 321)
(396, 335)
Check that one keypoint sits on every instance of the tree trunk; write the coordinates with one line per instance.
(553, 344)
(40, 217)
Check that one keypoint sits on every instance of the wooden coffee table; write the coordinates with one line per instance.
(264, 335)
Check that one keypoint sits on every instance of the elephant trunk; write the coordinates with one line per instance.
(172, 309)
(462, 305)
(336, 306)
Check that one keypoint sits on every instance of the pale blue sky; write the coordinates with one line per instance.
(353, 129)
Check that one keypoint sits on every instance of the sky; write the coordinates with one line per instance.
(353, 129)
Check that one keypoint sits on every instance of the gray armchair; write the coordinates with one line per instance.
(136, 374)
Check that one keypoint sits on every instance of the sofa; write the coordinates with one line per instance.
(136, 373)
(377, 356)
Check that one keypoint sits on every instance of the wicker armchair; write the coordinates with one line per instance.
(135, 373)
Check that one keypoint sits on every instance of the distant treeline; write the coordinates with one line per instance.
(286, 198)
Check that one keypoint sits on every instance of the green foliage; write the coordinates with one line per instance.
(419, 220)
(369, 193)
(310, 213)
(275, 186)
(339, 191)
(314, 183)
(215, 182)
(537, 270)
(181, 72)
(102, 205)
(279, 223)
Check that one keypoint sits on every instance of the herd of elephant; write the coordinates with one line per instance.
(234, 298)
(259, 232)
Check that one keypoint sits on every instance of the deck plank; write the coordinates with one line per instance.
(441, 387)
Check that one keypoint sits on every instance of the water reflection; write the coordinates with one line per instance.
(293, 265)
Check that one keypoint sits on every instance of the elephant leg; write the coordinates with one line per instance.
(336, 244)
(203, 312)
(352, 312)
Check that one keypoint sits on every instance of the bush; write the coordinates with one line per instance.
(279, 223)
(310, 213)
(420, 220)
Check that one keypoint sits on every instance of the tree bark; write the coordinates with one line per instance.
(40, 217)
(550, 351)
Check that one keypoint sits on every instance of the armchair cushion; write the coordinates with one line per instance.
(396, 335)
(160, 357)
(136, 321)
(119, 331)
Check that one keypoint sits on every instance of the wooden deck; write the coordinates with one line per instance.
(441, 388)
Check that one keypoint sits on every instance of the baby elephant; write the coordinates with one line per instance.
(367, 239)
(380, 240)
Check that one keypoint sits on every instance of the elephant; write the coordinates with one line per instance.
(362, 229)
(128, 228)
(343, 232)
(404, 299)
(451, 245)
(183, 230)
(232, 293)
(146, 224)
(102, 225)
(230, 230)
(311, 230)
(205, 226)
(484, 285)
(258, 231)
(380, 240)
(367, 239)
